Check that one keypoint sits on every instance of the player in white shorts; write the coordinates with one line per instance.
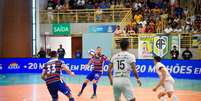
(122, 63)
(166, 81)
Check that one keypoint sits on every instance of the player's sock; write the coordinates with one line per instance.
(71, 99)
(83, 86)
(175, 98)
(163, 98)
(94, 88)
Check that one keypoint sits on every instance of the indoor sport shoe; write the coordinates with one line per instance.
(79, 94)
(93, 96)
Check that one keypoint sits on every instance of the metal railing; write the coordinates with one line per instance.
(186, 39)
(81, 16)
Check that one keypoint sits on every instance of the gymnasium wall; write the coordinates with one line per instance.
(92, 40)
(16, 28)
(1, 21)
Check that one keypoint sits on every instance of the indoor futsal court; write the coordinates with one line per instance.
(29, 87)
(96, 50)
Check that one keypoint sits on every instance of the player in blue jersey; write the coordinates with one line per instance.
(52, 76)
(97, 60)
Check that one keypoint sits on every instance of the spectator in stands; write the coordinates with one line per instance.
(179, 11)
(174, 53)
(96, 5)
(186, 11)
(151, 27)
(147, 11)
(143, 22)
(118, 31)
(197, 23)
(143, 29)
(170, 20)
(80, 4)
(127, 3)
(104, 5)
(61, 51)
(164, 15)
(188, 25)
(156, 10)
(59, 7)
(159, 26)
(72, 4)
(42, 53)
(168, 29)
(132, 30)
(138, 17)
(132, 23)
(62, 2)
(136, 6)
(187, 54)
(178, 29)
(89, 5)
(99, 14)
(50, 14)
(51, 4)
(55, 2)
(117, 3)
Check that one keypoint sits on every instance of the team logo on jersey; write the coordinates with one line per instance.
(13, 65)
(1, 67)
(160, 45)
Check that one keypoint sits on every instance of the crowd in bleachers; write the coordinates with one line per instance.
(162, 17)
(147, 16)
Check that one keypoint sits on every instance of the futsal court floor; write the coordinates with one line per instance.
(30, 87)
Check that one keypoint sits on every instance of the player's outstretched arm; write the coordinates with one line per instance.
(110, 73)
(133, 66)
(68, 71)
(162, 79)
(88, 64)
(43, 75)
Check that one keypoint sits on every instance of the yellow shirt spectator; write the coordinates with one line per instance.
(156, 11)
(138, 18)
(132, 23)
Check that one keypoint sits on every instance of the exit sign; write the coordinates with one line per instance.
(61, 29)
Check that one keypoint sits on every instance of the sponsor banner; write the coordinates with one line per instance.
(196, 40)
(101, 28)
(61, 29)
(160, 45)
(145, 46)
(185, 69)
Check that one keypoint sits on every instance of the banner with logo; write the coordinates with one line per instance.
(185, 69)
(101, 28)
(161, 45)
(196, 40)
(61, 29)
(145, 46)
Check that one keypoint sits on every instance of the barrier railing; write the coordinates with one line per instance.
(190, 40)
(186, 39)
(81, 16)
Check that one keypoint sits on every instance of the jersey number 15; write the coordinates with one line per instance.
(121, 64)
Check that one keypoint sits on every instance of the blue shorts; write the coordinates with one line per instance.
(58, 86)
(94, 75)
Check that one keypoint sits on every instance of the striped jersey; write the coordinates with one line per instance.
(98, 61)
(53, 69)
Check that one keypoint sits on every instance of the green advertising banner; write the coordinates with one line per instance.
(61, 29)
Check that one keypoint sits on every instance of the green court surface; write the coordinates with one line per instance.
(28, 78)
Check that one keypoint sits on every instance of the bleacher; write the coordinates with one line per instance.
(123, 16)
